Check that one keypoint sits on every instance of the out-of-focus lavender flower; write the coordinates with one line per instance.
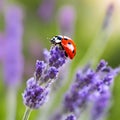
(101, 65)
(2, 46)
(71, 117)
(60, 116)
(46, 10)
(90, 86)
(37, 88)
(34, 95)
(66, 20)
(101, 104)
(13, 59)
(14, 26)
(108, 15)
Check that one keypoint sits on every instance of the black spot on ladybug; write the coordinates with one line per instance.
(69, 43)
(73, 51)
(65, 39)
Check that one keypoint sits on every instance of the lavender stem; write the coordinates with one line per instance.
(11, 103)
(27, 113)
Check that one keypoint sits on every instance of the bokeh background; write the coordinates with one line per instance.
(25, 30)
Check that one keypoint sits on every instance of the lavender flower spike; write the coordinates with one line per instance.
(37, 90)
(34, 96)
(66, 19)
(108, 15)
(90, 86)
(13, 58)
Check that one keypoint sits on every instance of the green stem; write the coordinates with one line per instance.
(27, 114)
(11, 103)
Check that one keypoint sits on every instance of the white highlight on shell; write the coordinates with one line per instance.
(70, 46)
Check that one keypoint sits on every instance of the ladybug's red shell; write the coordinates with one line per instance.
(69, 47)
(66, 43)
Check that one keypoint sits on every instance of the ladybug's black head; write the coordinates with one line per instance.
(56, 39)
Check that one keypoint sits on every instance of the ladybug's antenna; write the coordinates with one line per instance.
(48, 38)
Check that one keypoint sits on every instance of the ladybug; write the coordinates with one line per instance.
(66, 43)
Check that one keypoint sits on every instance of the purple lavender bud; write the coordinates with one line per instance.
(46, 54)
(90, 77)
(106, 69)
(84, 80)
(70, 102)
(34, 96)
(40, 66)
(108, 79)
(57, 58)
(79, 76)
(101, 104)
(75, 99)
(71, 117)
(98, 86)
(52, 72)
(46, 10)
(66, 19)
(59, 62)
(101, 65)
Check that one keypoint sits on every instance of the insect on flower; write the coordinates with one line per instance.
(65, 43)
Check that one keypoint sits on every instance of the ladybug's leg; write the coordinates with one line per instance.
(52, 46)
(56, 44)
(66, 54)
